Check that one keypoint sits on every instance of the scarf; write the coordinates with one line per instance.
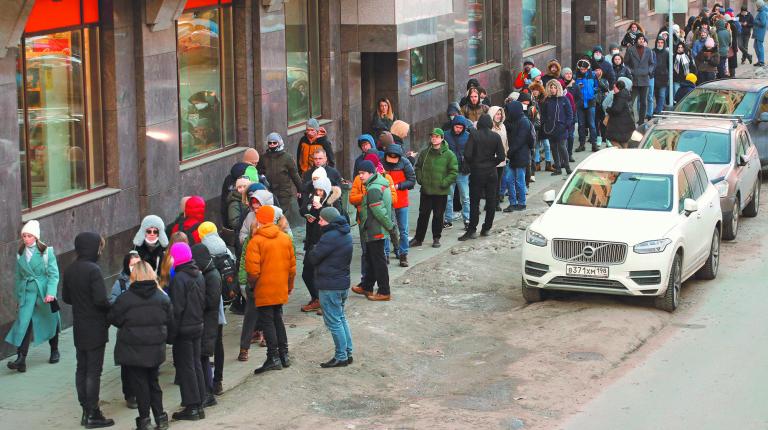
(682, 62)
(28, 251)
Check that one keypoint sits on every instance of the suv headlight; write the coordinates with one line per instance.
(534, 238)
(652, 246)
(722, 187)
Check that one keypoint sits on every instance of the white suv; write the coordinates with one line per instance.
(628, 222)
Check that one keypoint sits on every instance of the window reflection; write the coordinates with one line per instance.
(618, 190)
(534, 20)
(423, 64)
(302, 40)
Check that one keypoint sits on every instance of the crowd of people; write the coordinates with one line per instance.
(178, 276)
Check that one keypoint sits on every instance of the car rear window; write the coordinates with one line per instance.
(718, 101)
(618, 190)
(712, 147)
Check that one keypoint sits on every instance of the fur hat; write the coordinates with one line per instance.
(265, 215)
(147, 222)
(400, 129)
(329, 214)
(181, 253)
(205, 229)
(32, 227)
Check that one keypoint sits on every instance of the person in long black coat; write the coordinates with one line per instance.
(204, 261)
(621, 124)
(142, 315)
(84, 289)
(521, 143)
(556, 117)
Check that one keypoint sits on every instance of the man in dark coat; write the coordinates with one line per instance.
(280, 169)
(483, 153)
(521, 143)
(640, 59)
(598, 61)
(204, 261)
(84, 289)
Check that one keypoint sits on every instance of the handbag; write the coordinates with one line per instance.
(55, 306)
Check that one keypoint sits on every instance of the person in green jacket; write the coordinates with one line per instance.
(375, 227)
(436, 169)
(36, 279)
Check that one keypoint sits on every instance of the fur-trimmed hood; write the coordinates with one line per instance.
(559, 68)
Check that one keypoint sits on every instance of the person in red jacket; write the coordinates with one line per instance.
(194, 215)
(404, 177)
(524, 78)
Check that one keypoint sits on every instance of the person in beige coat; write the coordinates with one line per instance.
(498, 117)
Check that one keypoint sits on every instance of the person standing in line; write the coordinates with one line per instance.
(682, 65)
(747, 22)
(84, 289)
(707, 61)
(271, 266)
(641, 61)
(556, 117)
(187, 294)
(142, 315)
(151, 241)
(587, 85)
(724, 40)
(620, 121)
(310, 207)
(36, 280)
(118, 289)
(383, 117)
(436, 170)
(484, 152)
(315, 138)
(497, 115)
(202, 258)
(401, 171)
(758, 33)
(457, 140)
(280, 168)
(661, 75)
(331, 258)
(521, 141)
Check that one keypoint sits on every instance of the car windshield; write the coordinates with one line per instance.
(619, 190)
(712, 147)
(727, 102)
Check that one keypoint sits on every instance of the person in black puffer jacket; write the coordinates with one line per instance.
(556, 118)
(187, 293)
(142, 316)
(521, 143)
(204, 261)
(620, 121)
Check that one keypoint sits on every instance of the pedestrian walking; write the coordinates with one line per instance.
(747, 22)
(661, 75)
(151, 241)
(142, 315)
(204, 261)
(456, 139)
(758, 32)
(84, 289)
(483, 153)
(331, 258)
(641, 61)
(118, 289)
(521, 140)
(271, 266)
(383, 117)
(36, 281)
(436, 169)
(620, 121)
(280, 168)
(315, 138)
(556, 117)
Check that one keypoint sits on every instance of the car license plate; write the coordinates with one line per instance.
(586, 271)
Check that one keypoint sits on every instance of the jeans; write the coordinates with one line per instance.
(189, 370)
(759, 51)
(308, 276)
(378, 271)
(332, 303)
(586, 122)
(88, 376)
(650, 99)
(722, 67)
(569, 141)
(462, 181)
(482, 183)
(640, 95)
(507, 182)
(599, 116)
(144, 382)
(561, 156)
(661, 97)
(402, 225)
(537, 151)
(675, 87)
(517, 190)
(434, 205)
(271, 321)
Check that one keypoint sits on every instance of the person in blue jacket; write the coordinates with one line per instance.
(331, 257)
(456, 139)
(758, 33)
(585, 109)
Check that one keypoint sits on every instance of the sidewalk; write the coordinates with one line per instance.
(45, 397)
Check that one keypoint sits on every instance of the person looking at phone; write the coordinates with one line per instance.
(310, 208)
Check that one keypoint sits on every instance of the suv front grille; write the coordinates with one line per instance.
(589, 251)
(573, 281)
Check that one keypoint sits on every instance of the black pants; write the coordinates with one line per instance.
(482, 183)
(144, 383)
(499, 177)
(218, 356)
(189, 371)
(642, 93)
(599, 117)
(378, 271)
(205, 364)
(271, 322)
(23, 349)
(429, 204)
(250, 320)
(560, 154)
(308, 275)
(126, 382)
(88, 376)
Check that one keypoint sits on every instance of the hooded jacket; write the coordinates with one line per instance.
(368, 138)
(621, 123)
(306, 208)
(587, 86)
(453, 109)
(499, 128)
(760, 23)
(280, 169)
(661, 72)
(723, 38)
(212, 277)
(84, 289)
(621, 71)
(142, 316)
(457, 143)
(519, 133)
(549, 75)
(376, 210)
(271, 266)
(306, 148)
(187, 294)
(603, 64)
(402, 174)
(194, 215)
(332, 256)
(484, 148)
(556, 114)
(436, 170)
(122, 282)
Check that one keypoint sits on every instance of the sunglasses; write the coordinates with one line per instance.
(152, 231)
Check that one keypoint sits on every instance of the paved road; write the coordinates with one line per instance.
(711, 371)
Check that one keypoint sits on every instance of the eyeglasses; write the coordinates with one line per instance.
(152, 231)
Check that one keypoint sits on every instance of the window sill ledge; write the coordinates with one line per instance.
(426, 87)
(296, 129)
(205, 160)
(534, 50)
(483, 68)
(68, 204)
(623, 22)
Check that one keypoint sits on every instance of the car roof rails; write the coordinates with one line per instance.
(734, 119)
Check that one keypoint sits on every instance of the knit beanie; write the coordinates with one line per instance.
(32, 227)
(265, 215)
(535, 73)
(318, 173)
(366, 166)
(205, 229)
(567, 70)
(374, 159)
(329, 214)
(690, 77)
(181, 253)
(312, 123)
(709, 43)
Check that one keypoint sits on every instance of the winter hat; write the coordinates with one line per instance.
(597, 48)
(400, 129)
(32, 227)
(153, 221)
(181, 253)
(472, 83)
(583, 63)
(242, 182)
(535, 73)
(438, 132)
(690, 77)
(202, 256)
(514, 95)
(312, 123)
(275, 137)
(265, 215)
(385, 139)
(323, 184)
(528, 61)
(252, 173)
(329, 214)
(320, 172)
(709, 43)
(524, 97)
(263, 196)
(205, 229)
(365, 138)
(366, 166)
(374, 159)
(567, 70)
(759, 3)
(612, 46)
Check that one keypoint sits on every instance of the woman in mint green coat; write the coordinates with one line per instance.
(36, 280)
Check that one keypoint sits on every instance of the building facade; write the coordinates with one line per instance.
(114, 109)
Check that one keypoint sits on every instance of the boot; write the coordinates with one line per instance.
(271, 363)
(209, 401)
(581, 148)
(403, 261)
(20, 364)
(161, 421)
(84, 417)
(189, 413)
(414, 243)
(243, 356)
(285, 359)
(143, 423)
(312, 306)
(55, 356)
(510, 208)
(594, 147)
(218, 388)
(549, 167)
(131, 403)
(96, 420)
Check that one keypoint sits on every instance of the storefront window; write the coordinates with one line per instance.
(534, 23)
(480, 18)
(302, 44)
(622, 9)
(61, 146)
(206, 78)
(423, 65)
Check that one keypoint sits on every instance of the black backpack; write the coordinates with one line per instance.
(226, 189)
(228, 271)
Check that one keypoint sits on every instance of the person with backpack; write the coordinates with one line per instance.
(521, 141)
(211, 312)
(119, 288)
(36, 282)
(194, 215)
(151, 241)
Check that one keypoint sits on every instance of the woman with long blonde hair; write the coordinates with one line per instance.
(164, 277)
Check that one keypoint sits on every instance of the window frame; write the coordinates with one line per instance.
(313, 29)
(89, 187)
(683, 194)
(623, 11)
(545, 21)
(694, 181)
(431, 50)
(220, 5)
(488, 42)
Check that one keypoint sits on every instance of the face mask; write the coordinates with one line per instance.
(598, 57)
(201, 106)
(614, 52)
(152, 241)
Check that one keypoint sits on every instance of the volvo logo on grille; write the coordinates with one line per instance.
(588, 251)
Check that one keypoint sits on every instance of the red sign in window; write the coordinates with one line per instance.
(192, 4)
(54, 14)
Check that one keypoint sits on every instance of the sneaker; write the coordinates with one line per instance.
(312, 306)
(436, 243)
(485, 233)
(447, 225)
(520, 208)
(414, 243)
(467, 236)
(510, 208)
(379, 297)
(243, 356)
(466, 225)
(357, 289)
(533, 178)
(403, 261)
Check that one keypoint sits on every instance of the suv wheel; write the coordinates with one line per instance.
(671, 298)
(731, 223)
(709, 270)
(531, 294)
(754, 205)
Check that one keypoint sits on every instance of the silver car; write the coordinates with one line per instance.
(730, 157)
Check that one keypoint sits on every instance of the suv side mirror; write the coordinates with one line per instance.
(549, 197)
(690, 206)
(743, 160)
(763, 117)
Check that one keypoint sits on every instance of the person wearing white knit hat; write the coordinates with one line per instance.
(37, 279)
